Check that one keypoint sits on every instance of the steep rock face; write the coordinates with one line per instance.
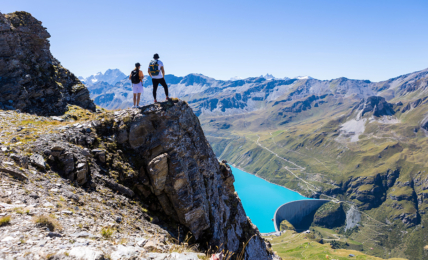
(31, 79)
(185, 176)
(370, 190)
(377, 105)
(160, 156)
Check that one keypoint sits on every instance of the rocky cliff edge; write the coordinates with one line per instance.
(31, 79)
(156, 157)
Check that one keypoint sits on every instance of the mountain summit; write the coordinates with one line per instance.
(111, 76)
(32, 80)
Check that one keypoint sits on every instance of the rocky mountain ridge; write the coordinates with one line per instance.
(237, 96)
(111, 76)
(32, 80)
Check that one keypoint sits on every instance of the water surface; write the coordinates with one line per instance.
(261, 198)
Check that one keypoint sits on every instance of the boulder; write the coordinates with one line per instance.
(38, 160)
(81, 174)
(158, 172)
(140, 128)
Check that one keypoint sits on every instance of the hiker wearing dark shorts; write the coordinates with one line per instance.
(137, 77)
(157, 72)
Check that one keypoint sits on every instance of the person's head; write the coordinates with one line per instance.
(137, 65)
(156, 56)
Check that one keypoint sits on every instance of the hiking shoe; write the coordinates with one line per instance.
(156, 101)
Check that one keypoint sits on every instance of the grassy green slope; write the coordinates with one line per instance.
(384, 173)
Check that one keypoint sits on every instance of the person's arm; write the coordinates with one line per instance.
(148, 71)
(163, 71)
(130, 76)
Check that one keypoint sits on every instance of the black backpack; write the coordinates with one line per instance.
(154, 68)
(135, 76)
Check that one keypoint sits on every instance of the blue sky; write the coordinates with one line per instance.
(325, 39)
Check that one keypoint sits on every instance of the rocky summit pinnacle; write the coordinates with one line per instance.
(31, 79)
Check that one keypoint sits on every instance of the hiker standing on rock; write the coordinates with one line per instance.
(157, 72)
(136, 78)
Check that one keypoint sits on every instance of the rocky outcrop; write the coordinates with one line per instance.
(376, 105)
(307, 103)
(185, 176)
(158, 155)
(31, 79)
(370, 191)
(330, 215)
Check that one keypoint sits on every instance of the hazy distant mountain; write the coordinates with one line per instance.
(208, 95)
(110, 76)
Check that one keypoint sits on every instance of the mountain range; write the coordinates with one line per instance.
(359, 142)
(138, 181)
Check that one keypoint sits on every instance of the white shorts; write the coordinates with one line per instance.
(137, 88)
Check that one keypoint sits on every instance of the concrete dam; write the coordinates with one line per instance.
(297, 212)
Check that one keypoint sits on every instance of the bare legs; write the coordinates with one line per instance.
(137, 99)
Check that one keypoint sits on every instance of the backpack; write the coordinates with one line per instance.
(154, 68)
(135, 76)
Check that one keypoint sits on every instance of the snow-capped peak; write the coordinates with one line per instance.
(235, 78)
(303, 77)
(111, 76)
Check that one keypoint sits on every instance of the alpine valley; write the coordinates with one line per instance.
(84, 176)
(359, 142)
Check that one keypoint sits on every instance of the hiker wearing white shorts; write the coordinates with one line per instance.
(136, 78)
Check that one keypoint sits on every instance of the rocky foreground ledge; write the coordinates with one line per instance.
(130, 184)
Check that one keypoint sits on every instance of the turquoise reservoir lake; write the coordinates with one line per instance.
(261, 198)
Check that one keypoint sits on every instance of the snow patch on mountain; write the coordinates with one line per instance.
(303, 77)
(111, 76)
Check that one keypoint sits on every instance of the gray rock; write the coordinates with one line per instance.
(38, 160)
(158, 172)
(118, 187)
(140, 241)
(82, 234)
(125, 252)
(71, 195)
(86, 253)
(14, 173)
(57, 118)
(34, 195)
(53, 234)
